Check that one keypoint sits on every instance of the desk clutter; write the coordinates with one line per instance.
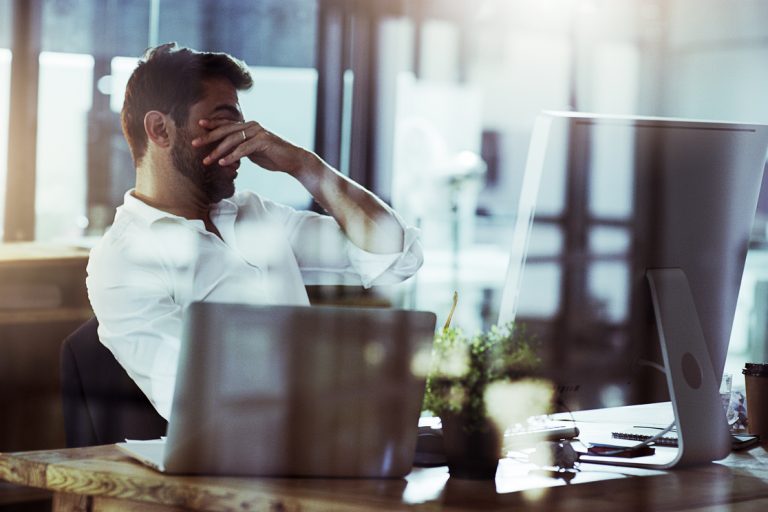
(557, 445)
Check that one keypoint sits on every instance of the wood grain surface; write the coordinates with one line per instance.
(101, 478)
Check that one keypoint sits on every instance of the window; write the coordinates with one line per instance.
(6, 16)
(89, 49)
(62, 132)
(5, 94)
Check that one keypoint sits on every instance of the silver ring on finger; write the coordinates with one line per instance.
(242, 132)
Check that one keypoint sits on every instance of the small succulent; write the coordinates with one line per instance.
(464, 366)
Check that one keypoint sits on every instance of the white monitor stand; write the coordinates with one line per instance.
(702, 428)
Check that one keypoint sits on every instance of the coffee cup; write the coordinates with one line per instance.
(756, 381)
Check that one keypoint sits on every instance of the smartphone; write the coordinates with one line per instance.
(612, 450)
(743, 441)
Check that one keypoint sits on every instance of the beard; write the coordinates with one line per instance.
(214, 181)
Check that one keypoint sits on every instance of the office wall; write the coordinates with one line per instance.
(716, 55)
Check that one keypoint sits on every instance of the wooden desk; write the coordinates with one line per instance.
(101, 478)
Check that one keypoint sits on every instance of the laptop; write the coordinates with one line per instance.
(305, 391)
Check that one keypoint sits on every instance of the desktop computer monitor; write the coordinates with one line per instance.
(625, 223)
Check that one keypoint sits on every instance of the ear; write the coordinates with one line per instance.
(158, 127)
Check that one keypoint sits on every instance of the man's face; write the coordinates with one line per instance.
(215, 181)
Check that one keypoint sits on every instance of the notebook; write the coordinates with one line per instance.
(641, 434)
(295, 391)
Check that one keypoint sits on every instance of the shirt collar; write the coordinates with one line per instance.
(135, 206)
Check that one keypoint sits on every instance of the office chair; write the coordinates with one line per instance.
(102, 404)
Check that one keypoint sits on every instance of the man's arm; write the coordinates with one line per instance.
(138, 320)
(365, 219)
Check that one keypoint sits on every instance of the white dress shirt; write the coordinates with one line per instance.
(151, 264)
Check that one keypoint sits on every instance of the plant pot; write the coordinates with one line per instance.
(472, 450)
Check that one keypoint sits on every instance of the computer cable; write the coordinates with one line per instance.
(645, 442)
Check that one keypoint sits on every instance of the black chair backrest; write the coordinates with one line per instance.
(102, 404)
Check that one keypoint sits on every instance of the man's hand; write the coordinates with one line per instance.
(367, 221)
(250, 139)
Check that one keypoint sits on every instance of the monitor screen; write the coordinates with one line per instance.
(604, 200)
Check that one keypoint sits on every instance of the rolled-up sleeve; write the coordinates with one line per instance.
(385, 269)
(326, 256)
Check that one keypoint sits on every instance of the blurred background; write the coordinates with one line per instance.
(429, 103)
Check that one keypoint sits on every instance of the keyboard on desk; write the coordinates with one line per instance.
(429, 446)
(529, 436)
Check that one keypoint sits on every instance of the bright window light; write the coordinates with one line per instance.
(5, 96)
(64, 99)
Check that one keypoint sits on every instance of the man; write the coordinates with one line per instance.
(183, 234)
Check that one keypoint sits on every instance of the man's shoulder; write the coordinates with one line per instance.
(121, 240)
(121, 228)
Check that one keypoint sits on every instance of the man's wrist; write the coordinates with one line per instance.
(310, 167)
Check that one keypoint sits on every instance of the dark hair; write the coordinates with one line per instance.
(170, 79)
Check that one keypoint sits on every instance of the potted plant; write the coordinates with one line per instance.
(475, 387)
